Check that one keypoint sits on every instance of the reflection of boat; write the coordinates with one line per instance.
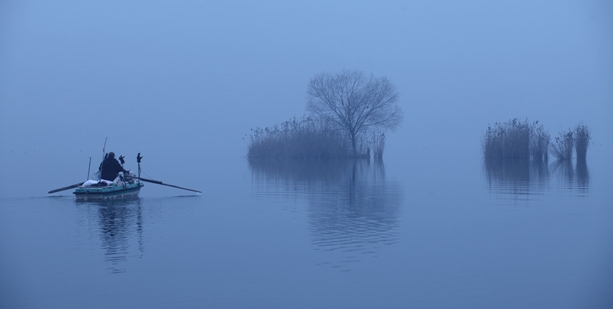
(106, 190)
(120, 223)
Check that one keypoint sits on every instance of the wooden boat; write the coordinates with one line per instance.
(93, 190)
(125, 186)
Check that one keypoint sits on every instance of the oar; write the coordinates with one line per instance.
(165, 184)
(66, 188)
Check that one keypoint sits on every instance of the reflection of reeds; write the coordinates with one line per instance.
(352, 209)
(354, 179)
(574, 178)
(564, 168)
(517, 176)
(562, 147)
(508, 170)
(379, 167)
(582, 141)
(306, 170)
(525, 177)
(577, 178)
(515, 139)
(583, 174)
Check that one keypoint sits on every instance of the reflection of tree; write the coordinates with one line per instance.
(518, 177)
(353, 210)
(118, 221)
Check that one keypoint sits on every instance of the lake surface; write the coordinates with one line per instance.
(416, 231)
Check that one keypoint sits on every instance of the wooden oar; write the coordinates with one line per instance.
(66, 188)
(164, 184)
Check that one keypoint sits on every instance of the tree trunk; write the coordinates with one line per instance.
(353, 144)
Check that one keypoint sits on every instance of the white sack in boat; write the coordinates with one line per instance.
(91, 183)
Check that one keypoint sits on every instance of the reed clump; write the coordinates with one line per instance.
(378, 145)
(562, 147)
(539, 143)
(304, 138)
(582, 141)
(516, 139)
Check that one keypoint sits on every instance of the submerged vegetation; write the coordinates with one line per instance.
(378, 145)
(305, 138)
(515, 139)
(582, 140)
(539, 143)
(516, 155)
(348, 113)
(524, 140)
(562, 147)
(579, 138)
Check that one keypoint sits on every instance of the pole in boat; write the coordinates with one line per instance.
(88, 170)
(89, 167)
(103, 157)
(104, 148)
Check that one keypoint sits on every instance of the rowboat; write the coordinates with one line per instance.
(126, 185)
(94, 190)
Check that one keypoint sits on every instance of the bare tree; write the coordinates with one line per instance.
(354, 102)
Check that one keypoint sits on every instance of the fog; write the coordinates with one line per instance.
(200, 74)
(183, 82)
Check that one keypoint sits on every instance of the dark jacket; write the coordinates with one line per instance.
(109, 168)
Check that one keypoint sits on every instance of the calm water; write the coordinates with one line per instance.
(410, 233)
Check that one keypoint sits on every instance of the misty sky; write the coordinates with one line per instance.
(200, 74)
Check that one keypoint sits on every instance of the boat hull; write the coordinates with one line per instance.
(114, 192)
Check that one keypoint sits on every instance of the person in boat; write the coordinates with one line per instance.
(110, 167)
